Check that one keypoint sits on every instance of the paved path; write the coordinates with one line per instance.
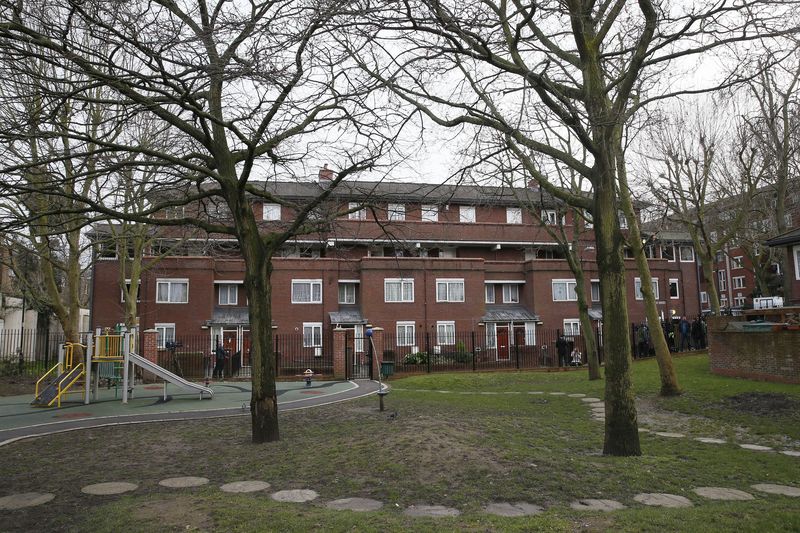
(18, 420)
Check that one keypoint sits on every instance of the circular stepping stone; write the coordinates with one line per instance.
(24, 499)
(721, 493)
(644, 430)
(660, 499)
(295, 496)
(241, 487)
(354, 504)
(576, 395)
(756, 447)
(513, 509)
(591, 400)
(431, 510)
(599, 410)
(107, 489)
(536, 392)
(670, 435)
(709, 440)
(183, 482)
(784, 490)
(557, 393)
(596, 505)
(791, 453)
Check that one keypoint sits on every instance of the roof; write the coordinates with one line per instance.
(790, 237)
(508, 313)
(230, 316)
(347, 316)
(596, 314)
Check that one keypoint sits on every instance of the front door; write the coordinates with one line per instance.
(502, 343)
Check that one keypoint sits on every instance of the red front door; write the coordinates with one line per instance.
(502, 343)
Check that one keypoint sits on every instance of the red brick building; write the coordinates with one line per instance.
(426, 263)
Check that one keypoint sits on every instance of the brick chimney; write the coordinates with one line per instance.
(325, 176)
(533, 184)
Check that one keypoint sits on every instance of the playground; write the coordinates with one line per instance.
(495, 452)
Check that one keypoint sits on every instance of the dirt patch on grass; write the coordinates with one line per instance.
(14, 386)
(762, 403)
(181, 513)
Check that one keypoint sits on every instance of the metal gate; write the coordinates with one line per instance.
(358, 355)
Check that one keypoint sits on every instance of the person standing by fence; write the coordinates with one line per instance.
(685, 329)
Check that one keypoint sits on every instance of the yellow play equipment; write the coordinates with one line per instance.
(57, 382)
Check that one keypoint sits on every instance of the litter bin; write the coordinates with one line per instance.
(387, 368)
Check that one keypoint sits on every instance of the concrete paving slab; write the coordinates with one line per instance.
(591, 400)
(435, 511)
(245, 486)
(355, 504)
(670, 435)
(110, 488)
(644, 430)
(557, 393)
(183, 482)
(591, 504)
(784, 490)
(295, 496)
(722, 493)
(577, 395)
(660, 499)
(710, 440)
(22, 500)
(791, 453)
(756, 447)
(513, 509)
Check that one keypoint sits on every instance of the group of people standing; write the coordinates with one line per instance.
(681, 335)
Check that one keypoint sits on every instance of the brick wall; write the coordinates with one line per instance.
(760, 355)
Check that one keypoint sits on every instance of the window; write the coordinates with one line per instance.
(510, 293)
(446, 333)
(738, 282)
(687, 253)
(564, 290)
(723, 301)
(126, 291)
(489, 293)
(306, 291)
(356, 212)
(271, 211)
(166, 333)
(719, 257)
(449, 290)
(491, 335)
(228, 294)
(623, 220)
(550, 217)
(398, 290)
(588, 220)
(737, 262)
(595, 290)
(513, 215)
(703, 297)
(174, 212)
(637, 288)
(406, 334)
(172, 291)
(572, 327)
(650, 251)
(739, 300)
(674, 293)
(396, 212)
(429, 213)
(530, 333)
(347, 293)
(796, 255)
(312, 335)
(466, 213)
(668, 252)
(723, 280)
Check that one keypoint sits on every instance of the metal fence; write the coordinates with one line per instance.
(28, 352)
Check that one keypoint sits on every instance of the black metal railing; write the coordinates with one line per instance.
(28, 352)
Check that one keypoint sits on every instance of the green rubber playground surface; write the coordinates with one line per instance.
(148, 399)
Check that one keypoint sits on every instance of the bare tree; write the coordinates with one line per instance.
(245, 92)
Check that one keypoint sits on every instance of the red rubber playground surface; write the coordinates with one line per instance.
(19, 420)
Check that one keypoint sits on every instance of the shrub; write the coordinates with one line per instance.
(418, 358)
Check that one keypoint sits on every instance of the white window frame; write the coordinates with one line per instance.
(358, 214)
(677, 283)
(550, 217)
(162, 328)
(722, 280)
(271, 212)
(683, 247)
(403, 328)
(574, 325)
(311, 283)
(637, 288)
(568, 282)
(429, 213)
(467, 214)
(665, 247)
(530, 333)
(490, 293)
(623, 220)
(491, 335)
(703, 297)
(404, 282)
(738, 282)
(736, 262)
(591, 289)
(588, 220)
(396, 212)
(347, 297)
(513, 215)
(446, 332)
(739, 300)
(127, 288)
(796, 255)
(170, 282)
(450, 285)
(510, 293)
(310, 337)
(227, 289)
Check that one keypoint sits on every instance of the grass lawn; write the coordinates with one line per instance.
(456, 449)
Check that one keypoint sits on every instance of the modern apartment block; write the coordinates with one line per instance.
(417, 260)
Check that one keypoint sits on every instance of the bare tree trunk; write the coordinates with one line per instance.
(583, 313)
